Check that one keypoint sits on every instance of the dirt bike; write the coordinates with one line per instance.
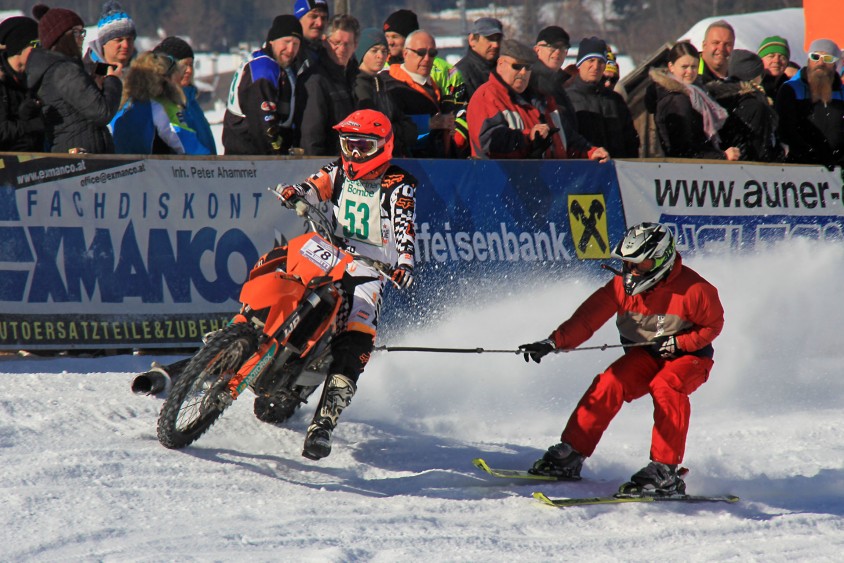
(277, 346)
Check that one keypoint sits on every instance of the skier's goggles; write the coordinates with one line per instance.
(826, 58)
(641, 267)
(358, 147)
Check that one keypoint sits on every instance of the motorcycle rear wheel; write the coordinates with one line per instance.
(201, 393)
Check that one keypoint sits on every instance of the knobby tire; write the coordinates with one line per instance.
(200, 395)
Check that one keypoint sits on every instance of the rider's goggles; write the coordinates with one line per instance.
(358, 147)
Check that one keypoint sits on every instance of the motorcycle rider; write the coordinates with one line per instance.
(374, 209)
(657, 300)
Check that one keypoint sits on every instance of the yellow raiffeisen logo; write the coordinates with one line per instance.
(588, 220)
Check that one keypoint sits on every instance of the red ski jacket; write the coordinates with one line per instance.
(683, 304)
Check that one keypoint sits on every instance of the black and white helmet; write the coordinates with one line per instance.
(646, 241)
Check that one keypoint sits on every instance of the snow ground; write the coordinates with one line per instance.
(83, 477)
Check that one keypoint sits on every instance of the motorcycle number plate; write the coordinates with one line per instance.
(322, 254)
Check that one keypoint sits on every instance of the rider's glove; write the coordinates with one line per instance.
(292, 198)
(537, 350)
(666, 347)
(403, 276)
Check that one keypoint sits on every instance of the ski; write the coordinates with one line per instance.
(621, 498)
(514, 473)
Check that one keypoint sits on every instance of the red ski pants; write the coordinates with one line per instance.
(669, 382)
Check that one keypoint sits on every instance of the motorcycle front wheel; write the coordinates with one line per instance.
(201, 393)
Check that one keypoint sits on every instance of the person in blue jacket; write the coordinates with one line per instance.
(151, 117)
(194, 116)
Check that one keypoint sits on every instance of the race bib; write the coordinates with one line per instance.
(359, 212)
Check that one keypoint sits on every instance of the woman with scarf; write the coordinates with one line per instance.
(687, 119)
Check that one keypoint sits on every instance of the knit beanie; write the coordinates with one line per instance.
(302, 7)
(53, 23)
(17, 33)
(114, 22)
(369, 37)
(285, 26)
(745, 65)
(402, 22)
(774, 44)
(591, 48)
(175, 47)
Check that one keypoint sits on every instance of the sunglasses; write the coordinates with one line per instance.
(79, 33)
(518, 67)
(422, 52)
(35, 43)
(554, 47)
(828, 59)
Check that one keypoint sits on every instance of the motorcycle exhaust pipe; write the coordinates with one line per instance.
(159, 379)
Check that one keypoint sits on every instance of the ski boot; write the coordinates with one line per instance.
(336, 396)
(655, 479)
(159, 379)
(560, 461)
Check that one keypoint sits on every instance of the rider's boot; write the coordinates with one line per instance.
(336, 396)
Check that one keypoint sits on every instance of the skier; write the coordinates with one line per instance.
(659, 301)
(375, 207)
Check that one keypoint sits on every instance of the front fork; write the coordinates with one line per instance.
(266, 354)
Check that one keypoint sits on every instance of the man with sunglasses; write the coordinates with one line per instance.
(811, 108)
(421, 98)
(669, 316)
(509, 120)
(374, 207)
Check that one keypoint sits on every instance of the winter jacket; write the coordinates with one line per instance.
(752, 124)
(552, 83)
(420, 103)
(679, 126)
(475, 70)
(21, 124)
(76, 111)
(376, 92)
(262, 109)
(500, 120)
(604, 118)
(196, 120)
(813, 131)
(154, 127)
(683, 305)
(772, 85)
(328, 99)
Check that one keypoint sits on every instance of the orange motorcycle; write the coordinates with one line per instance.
(277, 346)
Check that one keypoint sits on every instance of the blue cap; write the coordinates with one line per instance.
(302, 7)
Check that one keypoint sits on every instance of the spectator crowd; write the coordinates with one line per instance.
(503, 99)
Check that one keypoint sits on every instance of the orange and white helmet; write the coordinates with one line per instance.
(366, 143)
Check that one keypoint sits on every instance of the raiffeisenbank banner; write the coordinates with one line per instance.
(119, 252)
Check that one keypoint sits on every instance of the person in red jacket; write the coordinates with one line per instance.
(668, 315)
(507, 119)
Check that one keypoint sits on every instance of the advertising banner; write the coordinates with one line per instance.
(121, 252)
(733, 207)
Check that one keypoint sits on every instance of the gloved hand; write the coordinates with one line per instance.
(403, 276)
(666, 347)
(538, 350)
(291, 198)
(29, 109)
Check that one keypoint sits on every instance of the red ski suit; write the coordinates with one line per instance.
(684, 304)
